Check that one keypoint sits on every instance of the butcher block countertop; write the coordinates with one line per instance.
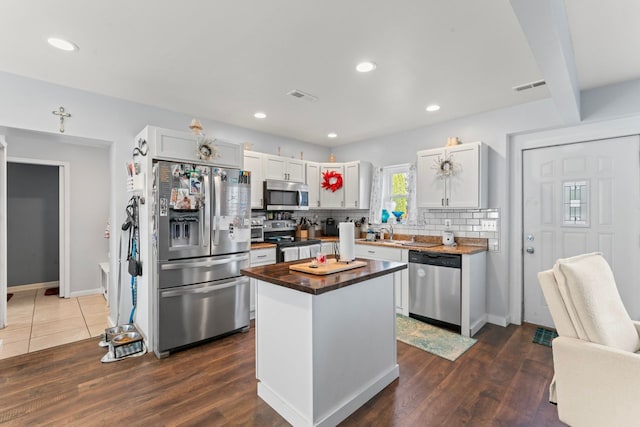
(461, 249)
(255, 246)
(280, 274)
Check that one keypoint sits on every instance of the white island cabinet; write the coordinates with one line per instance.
(325, 345)
(263, 256)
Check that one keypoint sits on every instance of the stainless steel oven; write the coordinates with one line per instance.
(285, 196)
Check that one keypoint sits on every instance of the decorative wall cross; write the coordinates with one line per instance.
(63, 115)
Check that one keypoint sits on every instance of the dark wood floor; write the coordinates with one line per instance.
(502, 381)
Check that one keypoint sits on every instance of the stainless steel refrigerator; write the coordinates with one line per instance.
(202, 227)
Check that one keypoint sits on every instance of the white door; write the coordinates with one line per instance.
(431, 188)
(253, 163)
(295, 170)
(351, 185)
(462, 186)
(3, 232)
(581, 198)
(328, 198)
(313, 182)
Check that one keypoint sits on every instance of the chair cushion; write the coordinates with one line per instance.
(588, 289)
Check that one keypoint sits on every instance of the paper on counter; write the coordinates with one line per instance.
(347, 242)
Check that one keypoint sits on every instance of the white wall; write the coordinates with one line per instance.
(89, 197)
(498, 129)
(27, 104)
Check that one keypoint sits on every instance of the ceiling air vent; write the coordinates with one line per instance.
(528, 86)
(302, 95)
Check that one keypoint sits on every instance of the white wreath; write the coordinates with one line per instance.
(206, 150)
(445, 167)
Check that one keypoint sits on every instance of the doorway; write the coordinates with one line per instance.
(33, 231)
(578, 198)
(46, 232)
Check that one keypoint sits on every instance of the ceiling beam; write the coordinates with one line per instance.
(546, 28)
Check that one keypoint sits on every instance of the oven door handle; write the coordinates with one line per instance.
(204, 289)
(180, 266)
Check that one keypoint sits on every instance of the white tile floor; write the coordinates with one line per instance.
(36, 321)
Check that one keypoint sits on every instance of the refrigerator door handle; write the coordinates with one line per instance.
(217, 201)
(182, 265)
(206, 227)
(205, 289)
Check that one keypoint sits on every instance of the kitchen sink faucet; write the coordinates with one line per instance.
(388, 229)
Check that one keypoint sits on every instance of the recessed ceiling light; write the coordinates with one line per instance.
(62, 44)
(365, 67)
(260, 115)
(332, 135)
(432, 108)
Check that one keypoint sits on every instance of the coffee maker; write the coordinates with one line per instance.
(330, 227)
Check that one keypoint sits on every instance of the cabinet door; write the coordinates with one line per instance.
(274, 167)
(265, 256)
(328, 198)
(463, 186)
(313, 182)
(253, 162)
(430, 188)
(351, 185)
(295, 170)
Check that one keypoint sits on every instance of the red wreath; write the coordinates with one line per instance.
(331, 180)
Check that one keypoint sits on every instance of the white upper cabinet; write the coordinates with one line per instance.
(254, 162)
(283, 169)
(357, 185)
(331, 199)
(176, 145)
(465, 187)
(313, 182)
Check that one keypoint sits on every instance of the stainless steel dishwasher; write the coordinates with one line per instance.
(434, 287)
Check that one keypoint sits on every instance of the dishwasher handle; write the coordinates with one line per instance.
(435, 258)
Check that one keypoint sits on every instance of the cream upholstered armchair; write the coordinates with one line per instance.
(595, 359)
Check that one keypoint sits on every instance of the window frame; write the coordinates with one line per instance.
(387, 185)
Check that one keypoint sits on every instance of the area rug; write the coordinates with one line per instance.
(544, 336)
(432, 339)
(52, 291)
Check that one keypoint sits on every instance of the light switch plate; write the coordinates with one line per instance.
(489, 225)
(447, 223)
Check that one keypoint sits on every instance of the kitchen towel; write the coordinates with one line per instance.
(347, 242)
(290, 254)
(305, 252)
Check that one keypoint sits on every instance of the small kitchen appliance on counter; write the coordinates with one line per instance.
(330, 227)
(448, 238)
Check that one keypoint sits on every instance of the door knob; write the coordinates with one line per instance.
(530, 250)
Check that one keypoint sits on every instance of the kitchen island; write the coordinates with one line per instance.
(325, 345)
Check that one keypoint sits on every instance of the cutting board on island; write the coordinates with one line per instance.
(332, 266)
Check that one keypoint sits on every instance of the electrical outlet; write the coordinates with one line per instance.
(447, 223)
(489, 225)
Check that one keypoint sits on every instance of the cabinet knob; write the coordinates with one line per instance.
(442, 202)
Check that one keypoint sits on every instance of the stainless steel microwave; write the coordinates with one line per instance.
(285, 196)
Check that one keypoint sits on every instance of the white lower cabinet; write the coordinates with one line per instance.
(400, 278)
(265, 256)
